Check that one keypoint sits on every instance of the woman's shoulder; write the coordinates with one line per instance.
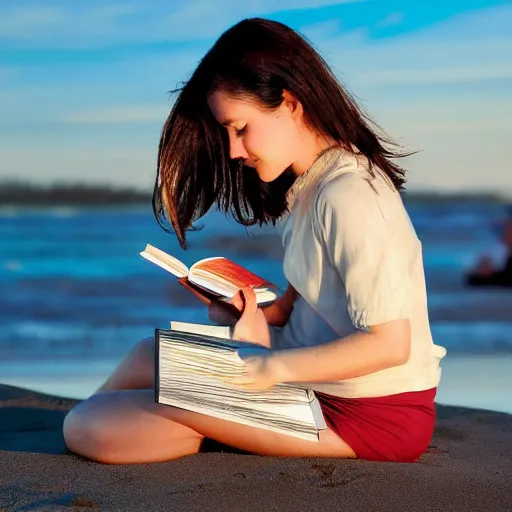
(349, 182)
(353, 189)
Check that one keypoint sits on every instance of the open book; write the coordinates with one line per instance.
(192, 374)
(212, 278)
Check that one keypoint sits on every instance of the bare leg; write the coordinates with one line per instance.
(126, 427)
(136, 370)
(122, 424)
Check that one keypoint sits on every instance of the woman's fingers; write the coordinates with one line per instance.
(244, 380)
(250, 304)
(245, 301)
(238, 301)
(252, 325)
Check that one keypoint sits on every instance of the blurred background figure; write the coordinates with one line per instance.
(491, 271)
(83, 97)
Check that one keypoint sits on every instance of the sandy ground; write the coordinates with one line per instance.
(467, 468)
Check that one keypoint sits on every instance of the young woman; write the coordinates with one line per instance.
(263, 107)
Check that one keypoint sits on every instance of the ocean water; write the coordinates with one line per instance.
(75, 295)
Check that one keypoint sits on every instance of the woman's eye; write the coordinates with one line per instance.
(241, 131)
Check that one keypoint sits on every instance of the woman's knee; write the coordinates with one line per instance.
(86, 433)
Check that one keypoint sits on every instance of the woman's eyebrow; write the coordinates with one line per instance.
(227, 122)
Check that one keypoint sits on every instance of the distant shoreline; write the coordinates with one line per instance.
(21, 194)
(69, 194)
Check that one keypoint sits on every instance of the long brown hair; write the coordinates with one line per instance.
(261, 59)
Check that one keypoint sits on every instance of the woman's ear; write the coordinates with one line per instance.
(292, 104)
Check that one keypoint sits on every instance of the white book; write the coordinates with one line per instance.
(218, 331)
(209, 278)
(193, 373)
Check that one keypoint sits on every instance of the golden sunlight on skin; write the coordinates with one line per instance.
(361, 353)
(271, 141)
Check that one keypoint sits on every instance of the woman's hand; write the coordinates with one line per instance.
(220, 314)
(261, 372)
(252, 326)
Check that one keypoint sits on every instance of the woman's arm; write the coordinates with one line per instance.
(280, 310)
(358, 230)
(374, 251)
(383, 346)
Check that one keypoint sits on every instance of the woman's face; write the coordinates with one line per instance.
(267, 140)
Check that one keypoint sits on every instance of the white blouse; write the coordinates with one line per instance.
(352, 254)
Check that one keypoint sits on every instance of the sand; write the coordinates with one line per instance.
(467, 468)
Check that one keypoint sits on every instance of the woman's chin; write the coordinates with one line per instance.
(268, 176)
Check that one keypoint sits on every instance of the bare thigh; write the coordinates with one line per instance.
(136, 370)
(128, 427)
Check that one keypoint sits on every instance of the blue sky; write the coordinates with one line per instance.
(83, 85)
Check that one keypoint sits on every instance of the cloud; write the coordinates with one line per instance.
(94, 24)
(443, 89)
(392, 20)
(98, 92)
(217, 16)
(436, 75)
(71, 25)
(449, 116)
(25, 20)
(115, 12)
(119, 115)
(322, 30)
(471, 47)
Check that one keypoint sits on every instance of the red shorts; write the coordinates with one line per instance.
(395, 428)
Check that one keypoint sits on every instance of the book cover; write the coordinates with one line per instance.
(211, 279)
(193, 372)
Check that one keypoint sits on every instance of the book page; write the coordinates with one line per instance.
(226, 273)
(213, 284)
(225, 291)
(193, 372)
(214, 411)
(165, 261)
(265, 296)
(218, 331)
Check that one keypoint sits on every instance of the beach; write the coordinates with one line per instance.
(212, 130)
(468, 467)
(480, 381)
(73, 305)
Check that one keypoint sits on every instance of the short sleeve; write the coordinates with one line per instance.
(359, 237)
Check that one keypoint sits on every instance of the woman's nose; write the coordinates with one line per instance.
(237, 149)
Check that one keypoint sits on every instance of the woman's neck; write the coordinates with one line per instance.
(313, 146)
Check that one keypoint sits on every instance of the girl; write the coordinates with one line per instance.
(261, 107)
